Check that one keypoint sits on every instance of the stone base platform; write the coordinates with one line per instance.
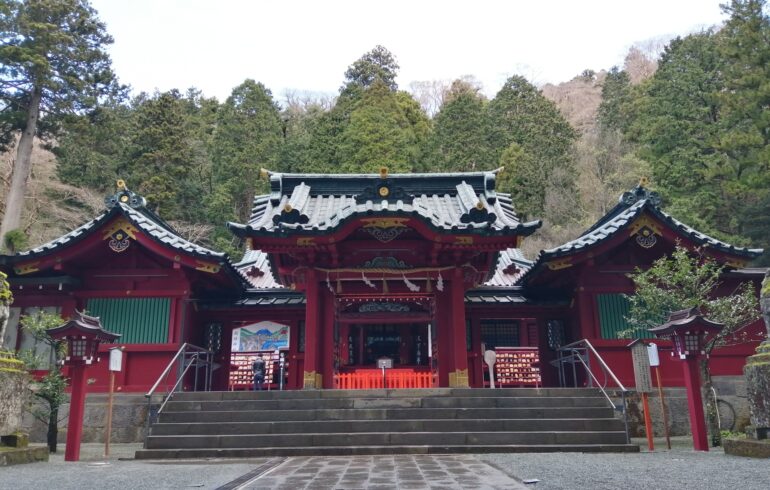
(747, 447)
(20, 455)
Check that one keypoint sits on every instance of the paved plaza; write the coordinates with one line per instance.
(676, 469)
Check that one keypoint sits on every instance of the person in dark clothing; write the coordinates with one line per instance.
(259, 372)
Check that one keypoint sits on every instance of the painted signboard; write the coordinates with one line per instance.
(262, 336)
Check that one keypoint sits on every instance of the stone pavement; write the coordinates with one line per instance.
(384, 472)
(679, 468)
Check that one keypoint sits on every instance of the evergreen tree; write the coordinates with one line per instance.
(378, 135)
(247, 138)
(92, 147)
(53, 63)
(677, 128)
(378, 65)
(160, 155)
(459, 139)
(616, 96)
(542, 141)
(745, 138)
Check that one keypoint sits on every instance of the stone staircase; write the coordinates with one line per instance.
(416, 421)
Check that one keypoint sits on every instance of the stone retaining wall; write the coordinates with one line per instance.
(128, 419)
(731, 389)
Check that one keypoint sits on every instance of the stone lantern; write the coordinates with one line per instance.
(83, 334)
(688, 330)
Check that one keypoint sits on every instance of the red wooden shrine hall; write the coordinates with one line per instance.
(360, 282)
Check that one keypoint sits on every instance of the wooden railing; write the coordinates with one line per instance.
(367, 379)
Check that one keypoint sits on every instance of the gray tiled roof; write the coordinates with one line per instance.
(144, 219)
(511, 264)
(631, 206)
(147, 221)
(255, 267)
(459, 202)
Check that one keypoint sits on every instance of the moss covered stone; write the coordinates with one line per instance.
(13, 393)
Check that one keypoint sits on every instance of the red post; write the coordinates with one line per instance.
(77, 407)
(695, 404)
(312, 366)
(457, 325)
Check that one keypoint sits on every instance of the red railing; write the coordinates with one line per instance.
(366, 379)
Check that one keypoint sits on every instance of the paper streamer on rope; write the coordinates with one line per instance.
(329, 284)
(367, 281)
(440, 282)
(412, 286)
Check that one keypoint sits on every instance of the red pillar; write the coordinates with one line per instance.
(77, 407)
(458, 376)
(695, 404)
(442, 342)
(326, 329)
(312, 367)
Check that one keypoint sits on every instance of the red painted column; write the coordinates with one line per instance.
(457, 325)
(326, 329)
(586, 308)
(442, 342)
(695, 404)
(77, 408)
(312, 366)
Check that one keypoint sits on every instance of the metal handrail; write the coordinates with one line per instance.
(578, 352)
(190, 355)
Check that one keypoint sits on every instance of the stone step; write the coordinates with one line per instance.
(346, 450)
(382, 393)
(353, 403)
(385, 439)
(348, 426)
(191, 417)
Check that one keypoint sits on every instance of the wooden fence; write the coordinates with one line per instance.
(366, 379)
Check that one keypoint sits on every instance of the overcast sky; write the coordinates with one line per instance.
(307, 45)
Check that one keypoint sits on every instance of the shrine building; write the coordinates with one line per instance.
(363, 281)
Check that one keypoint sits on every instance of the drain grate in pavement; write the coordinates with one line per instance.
(252, 475)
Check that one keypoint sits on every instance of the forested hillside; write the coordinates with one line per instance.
(694, 119)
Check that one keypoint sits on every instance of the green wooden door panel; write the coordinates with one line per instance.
(138, 320)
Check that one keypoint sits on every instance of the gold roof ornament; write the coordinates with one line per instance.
(383, 172)
(644, 182)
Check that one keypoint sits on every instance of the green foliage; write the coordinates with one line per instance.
(247, 137)
(93, 148)
(686, 280)
(702, 123)
(160, 153)
(55, 49)
(384, 129)
(459, 140)
(16, 241)
(378, 65)
(520, 115)
(51, 389)
(613, 113)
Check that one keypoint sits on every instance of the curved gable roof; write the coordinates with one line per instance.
(631, 206)
(319, 203)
